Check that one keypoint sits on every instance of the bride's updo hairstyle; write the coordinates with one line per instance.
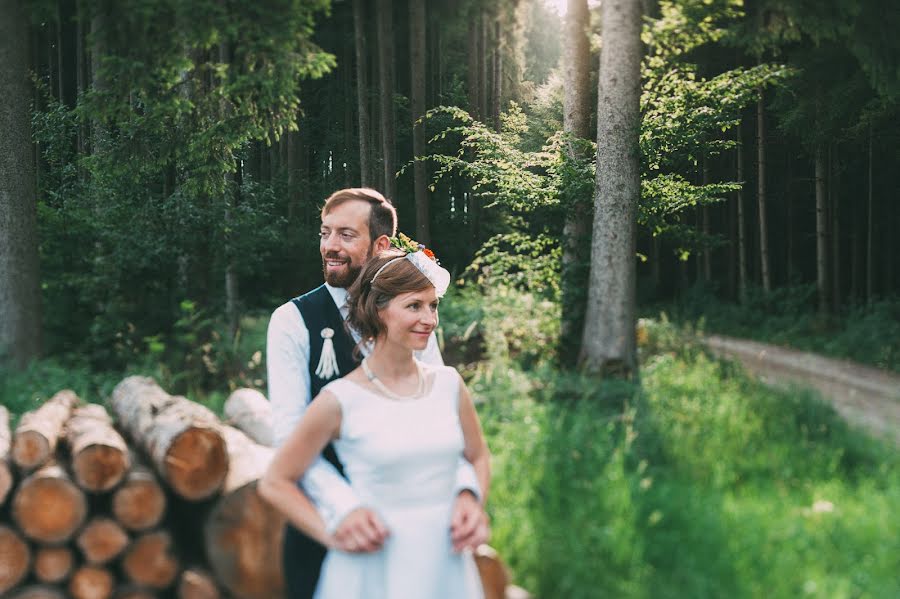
(366, 298)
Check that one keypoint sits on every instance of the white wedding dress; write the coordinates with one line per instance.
(401, 457)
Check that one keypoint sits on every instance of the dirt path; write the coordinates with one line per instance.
(863, 395)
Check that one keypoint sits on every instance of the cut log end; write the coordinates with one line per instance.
(140, 503)
(53, 564)
(197, 463)
(99, 468)
(91, 582)
(149, 561)
(30, 449)
(101, 540)
(49, 509)
(197, 584)
(133, 592)
(6, 481)
(15, 559)
(243, 538)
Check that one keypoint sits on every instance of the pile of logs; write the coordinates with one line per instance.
(154, 498)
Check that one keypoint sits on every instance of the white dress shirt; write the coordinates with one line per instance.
(287, 363)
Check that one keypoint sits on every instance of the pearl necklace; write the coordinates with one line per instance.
(420, 385)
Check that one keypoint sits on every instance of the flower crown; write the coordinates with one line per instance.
(410, 246)
(422, 258)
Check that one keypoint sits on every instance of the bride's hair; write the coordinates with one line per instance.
(366, 298)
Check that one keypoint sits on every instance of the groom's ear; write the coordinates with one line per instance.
(381, 244)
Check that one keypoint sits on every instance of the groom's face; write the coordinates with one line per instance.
(344, 242)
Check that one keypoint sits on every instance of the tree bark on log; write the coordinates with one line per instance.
(91, 582)
(99, 454)
(150, 561)
(195, 583)
(181, 437)
(53, 565)
(139, 504)
(250, 411)
(101, 540)
(48, 507)
(39, 431)
(493, 572)
(133, 592)
(6, 476)
(242, 533)
(15, 558)
(39, 591)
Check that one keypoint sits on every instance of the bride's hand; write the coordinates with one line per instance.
(469, 526)
(362, 531)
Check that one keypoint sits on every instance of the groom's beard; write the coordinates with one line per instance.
(344, 279)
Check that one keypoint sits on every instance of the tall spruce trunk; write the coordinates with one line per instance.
(362, 91)
(741, 224)
(761, 193)
(484, 67)
(497, 80)
(835, 212)
(417, 104)
(576, 122)
(20, 300)
(706, 258)
(870, 231)
(473, 78)
(608, 343)
(821, 230)
(386, 89)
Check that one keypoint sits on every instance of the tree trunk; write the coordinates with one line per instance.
(140, 503)
(20, 298)
(608, 345)
(484, 67)
(870, 231)
(80, 70)
(197, 584)
(417, 104)
(761, 193)
(472, 72)
(6, 475)
(242, 533)
(250, 411)
(741, 225)
(16, 558)
(48, 507)
(576, 122)
(98, 453)
(150, 562)
(53, 565)
(39, 431)
(497, 80)
(835, 203)
(91, 582)
(101, 540)
(386, 89)
(821, 231)
(181, 437)
(362, 92)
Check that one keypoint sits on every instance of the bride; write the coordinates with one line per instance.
(398, 426)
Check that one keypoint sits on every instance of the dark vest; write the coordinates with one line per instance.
(319, 312)
(302, 556)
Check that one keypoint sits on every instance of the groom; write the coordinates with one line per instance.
(308, 346)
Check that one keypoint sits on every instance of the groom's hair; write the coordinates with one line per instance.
(383, 215)
(366, 298)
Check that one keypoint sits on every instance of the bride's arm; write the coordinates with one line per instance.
(476, 449)
(320, 424)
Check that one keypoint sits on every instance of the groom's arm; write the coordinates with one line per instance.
(287, 363)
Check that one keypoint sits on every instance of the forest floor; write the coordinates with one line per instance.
(864, 396)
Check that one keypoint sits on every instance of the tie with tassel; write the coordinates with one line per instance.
(328, 366)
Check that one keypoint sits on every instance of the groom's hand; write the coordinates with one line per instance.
(469, 526)
(362, 531)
